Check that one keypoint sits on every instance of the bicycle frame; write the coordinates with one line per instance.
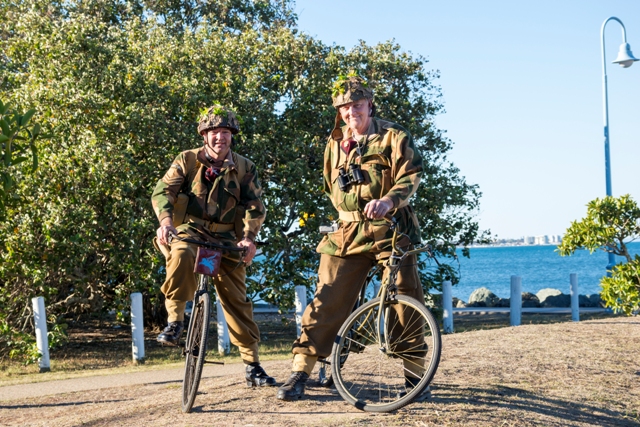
(204, 284)
(195, 347)
(388, 289)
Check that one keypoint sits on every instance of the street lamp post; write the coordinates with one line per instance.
(625, 59)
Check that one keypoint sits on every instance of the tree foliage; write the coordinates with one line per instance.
(611, 223)
(118, 85)
(17, 144)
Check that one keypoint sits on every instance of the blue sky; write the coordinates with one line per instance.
(522, 88)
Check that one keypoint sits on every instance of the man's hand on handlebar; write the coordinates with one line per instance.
(377, 209)
(250, 250)
(166, 228)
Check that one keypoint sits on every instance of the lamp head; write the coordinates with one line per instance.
(625, 56)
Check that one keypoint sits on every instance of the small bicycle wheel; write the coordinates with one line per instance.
(195, 348)
(381, 361)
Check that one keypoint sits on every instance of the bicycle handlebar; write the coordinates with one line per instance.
(212, 245)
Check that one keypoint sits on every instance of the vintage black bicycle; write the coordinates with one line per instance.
(381, 361)
(195, 345)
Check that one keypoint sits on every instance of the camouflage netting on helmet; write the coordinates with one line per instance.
(350, 88)
(218, 116)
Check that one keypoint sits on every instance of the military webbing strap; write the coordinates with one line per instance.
(352, 216)
(241, 166)
(214, 227)
(355, 216)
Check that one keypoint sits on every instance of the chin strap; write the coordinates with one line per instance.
(336, 133)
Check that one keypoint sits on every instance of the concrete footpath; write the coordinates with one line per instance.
(155, 376)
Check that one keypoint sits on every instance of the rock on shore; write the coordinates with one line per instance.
(483, 297)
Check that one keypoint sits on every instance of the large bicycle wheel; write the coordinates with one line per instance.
(195, 348)
(381, 361)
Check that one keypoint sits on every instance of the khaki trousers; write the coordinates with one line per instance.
(339, 284)
(180, 286)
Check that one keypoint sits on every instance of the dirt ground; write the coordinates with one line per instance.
(564, 374)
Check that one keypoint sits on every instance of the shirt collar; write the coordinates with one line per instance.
(228, 162)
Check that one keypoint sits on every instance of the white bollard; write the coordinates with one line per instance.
(224, 346)
(516, 301)
(301, 304)
(447, 307)
(42, 340)
(137, 328)
(575, 300)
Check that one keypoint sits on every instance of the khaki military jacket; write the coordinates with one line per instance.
(218, 202)
(391, 167)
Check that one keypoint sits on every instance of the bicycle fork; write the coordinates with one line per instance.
(387, 297)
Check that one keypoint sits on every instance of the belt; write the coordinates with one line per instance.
(214, 227)
(351, 216)
(355, 216)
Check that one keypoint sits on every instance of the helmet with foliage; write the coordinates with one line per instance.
(350, 88)
(218, 116)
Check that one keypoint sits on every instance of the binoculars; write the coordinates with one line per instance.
(347, 178)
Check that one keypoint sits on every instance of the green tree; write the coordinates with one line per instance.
(610, 224)
(17, 141)
(119, 85)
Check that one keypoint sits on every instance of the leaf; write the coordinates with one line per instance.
(7, 153)
(34, 155)
(5, 127)
(18, 160)
(26, 117)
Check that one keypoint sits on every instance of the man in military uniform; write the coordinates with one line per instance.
(221, 191)
(390, 169)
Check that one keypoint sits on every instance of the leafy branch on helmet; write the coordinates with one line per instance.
(342, 82)
(129, 100)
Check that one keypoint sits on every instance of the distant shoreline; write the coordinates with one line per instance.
(509, 245)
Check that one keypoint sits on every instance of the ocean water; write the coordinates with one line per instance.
(539, 267)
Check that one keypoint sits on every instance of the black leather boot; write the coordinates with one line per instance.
(171, 334)
(410, 383)
(293, 388)
(257, 377)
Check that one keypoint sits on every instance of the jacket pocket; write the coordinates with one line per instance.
(377, 173)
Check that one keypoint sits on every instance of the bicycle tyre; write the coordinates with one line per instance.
(195, 350)
(372, 377)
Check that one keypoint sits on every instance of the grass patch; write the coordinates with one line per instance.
(104, 345)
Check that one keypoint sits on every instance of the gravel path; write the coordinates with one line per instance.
(563, 374)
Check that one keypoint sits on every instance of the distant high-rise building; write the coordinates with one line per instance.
(542, 240)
